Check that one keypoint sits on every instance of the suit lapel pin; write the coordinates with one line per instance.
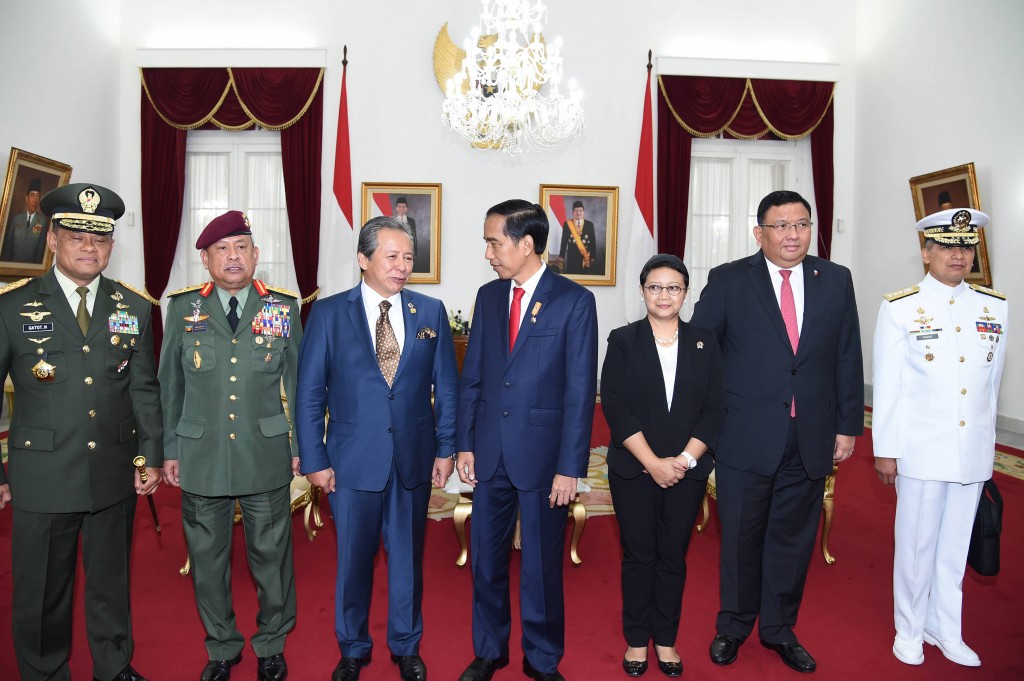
(412, 308)
(534, 311)
(700, 345)
(815, 272)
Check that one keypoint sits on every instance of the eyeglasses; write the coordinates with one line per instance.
(783, 227)
(656, 289)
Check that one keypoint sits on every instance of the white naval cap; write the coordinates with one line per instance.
(953, 227)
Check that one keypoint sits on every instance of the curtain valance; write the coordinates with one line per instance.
(231, 98)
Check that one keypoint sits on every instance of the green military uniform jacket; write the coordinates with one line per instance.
(83, 407)
(221, 390)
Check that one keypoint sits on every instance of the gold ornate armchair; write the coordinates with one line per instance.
(827, 508)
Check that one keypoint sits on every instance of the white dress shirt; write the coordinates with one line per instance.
(70, 289)
(371, 303)
(796, 281)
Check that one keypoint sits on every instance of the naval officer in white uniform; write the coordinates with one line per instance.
(938, 358)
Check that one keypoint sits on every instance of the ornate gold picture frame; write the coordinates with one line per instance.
(23, 251)
(420, 205)
(954, 187)
(584, 231)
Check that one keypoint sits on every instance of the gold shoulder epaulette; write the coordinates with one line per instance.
(187, 289)
(137, 292)
(287, 292)
(980, 289)
(902, 293)
(15, 284)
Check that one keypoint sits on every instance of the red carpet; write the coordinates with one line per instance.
(846, 621)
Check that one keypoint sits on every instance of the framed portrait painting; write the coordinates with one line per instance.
(954, 187)
(584, 232)
(419, 206)
(23, 251)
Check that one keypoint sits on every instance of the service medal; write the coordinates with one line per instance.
(197, 359)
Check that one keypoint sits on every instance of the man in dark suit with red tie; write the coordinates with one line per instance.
(526, 409)
(794, 379)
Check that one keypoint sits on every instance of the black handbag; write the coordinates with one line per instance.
(983, 554)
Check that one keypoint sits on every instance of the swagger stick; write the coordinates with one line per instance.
(140, 466)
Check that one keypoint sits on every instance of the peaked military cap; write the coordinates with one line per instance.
(953, 227)
(83, 207)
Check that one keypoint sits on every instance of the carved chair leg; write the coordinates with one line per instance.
(705, 515)
(463, 510)
(579, 517)
(826, 530)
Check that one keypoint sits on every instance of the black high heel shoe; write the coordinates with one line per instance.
(634, 667)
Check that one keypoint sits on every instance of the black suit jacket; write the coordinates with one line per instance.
(826, 375)
(633, 395)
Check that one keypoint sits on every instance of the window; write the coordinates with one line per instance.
(235, 171)
(728, 178)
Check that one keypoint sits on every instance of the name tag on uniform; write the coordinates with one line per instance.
(928, 336)
(195, 328)
(33, 328)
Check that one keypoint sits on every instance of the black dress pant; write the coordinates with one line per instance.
(655, 526)
(44, 561)
(769, 523)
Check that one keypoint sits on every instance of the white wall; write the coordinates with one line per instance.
(939, 86)
(915, 95)
(59, 86)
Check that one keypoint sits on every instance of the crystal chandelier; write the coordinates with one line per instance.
(506, 95)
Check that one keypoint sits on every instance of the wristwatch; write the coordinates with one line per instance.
(691, 462)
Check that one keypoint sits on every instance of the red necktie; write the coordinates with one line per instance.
(514, 315)
(788, 306)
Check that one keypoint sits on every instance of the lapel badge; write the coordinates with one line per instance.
(700, 345)
(43, 371)
(40, 341)
(115, 339)
(122, 306)
(197, 359)
(258, 340)
(534, 311)
(815, 272)
(412, 308)
(929, 357)
(268, 357)
(133, 342)
(990, 355)
(122, 365)
(34, 303)
(269, 298)
(35, 315)
(116, 295)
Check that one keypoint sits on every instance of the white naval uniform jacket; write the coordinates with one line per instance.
(938, 360)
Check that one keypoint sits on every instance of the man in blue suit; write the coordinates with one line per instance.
(526, 408)
(370, 357)
(794, 380)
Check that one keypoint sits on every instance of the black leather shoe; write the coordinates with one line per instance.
(127, 674)
(272, 668)
(634, 667)
(410, 667)
(794, 655)
(483, 668)
(540, 676)
(349, 667)
(219, 670)
(724, 649)
(671, 668)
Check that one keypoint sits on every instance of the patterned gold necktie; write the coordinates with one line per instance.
(83, 311)
(387, 344)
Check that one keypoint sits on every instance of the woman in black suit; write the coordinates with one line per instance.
(663, 396)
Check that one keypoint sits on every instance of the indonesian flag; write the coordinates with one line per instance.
(641, 231)
(342, 153)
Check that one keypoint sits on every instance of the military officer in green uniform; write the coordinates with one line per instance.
(79, 349)
(227, 345)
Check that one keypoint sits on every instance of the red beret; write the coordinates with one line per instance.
(232, 223)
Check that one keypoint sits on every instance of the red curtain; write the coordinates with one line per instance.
(696, 106)
(177, 100)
